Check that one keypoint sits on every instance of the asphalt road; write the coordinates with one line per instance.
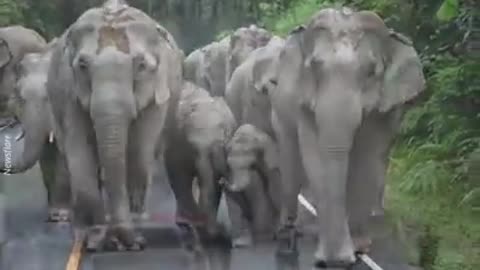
(36, 245)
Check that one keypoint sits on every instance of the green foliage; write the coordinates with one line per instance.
(448, 10)
(10, 12)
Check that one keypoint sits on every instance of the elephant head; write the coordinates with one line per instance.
(15, 42)
(242, 42)
(334, 74)
(29, 103)
(250, 151)
(215, 61)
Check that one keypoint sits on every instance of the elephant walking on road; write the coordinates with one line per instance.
(342, 85)
(197, 149)
(114, 84)
(254, 183)
(30, 104)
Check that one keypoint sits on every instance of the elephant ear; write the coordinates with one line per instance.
(168, 58)
(291, 60)
(5, 53)
(404, 79)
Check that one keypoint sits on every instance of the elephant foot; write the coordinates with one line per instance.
(287, 241)
(243, 240)
(343, 260)
(96, 237)
(140, 217)
(362, 244)
(58, 215)
(189, 236)
(117, 238)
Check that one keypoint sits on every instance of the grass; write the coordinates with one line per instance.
(436, 206)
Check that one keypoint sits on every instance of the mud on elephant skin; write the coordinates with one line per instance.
(343, 82)
(203, 127)
(15, 42)
(30, 105)
(253, 185)
(113, 85)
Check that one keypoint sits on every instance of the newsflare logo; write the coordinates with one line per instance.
(7, 153)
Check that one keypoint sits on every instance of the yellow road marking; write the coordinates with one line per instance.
(75, 256)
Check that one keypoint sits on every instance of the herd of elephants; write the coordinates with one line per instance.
(254, 116)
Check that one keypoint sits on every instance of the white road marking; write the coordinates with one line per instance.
(364, 257)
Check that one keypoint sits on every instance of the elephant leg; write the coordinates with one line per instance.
(180, 178)
(60, 193)
(81, 160)
(210, 192)
(292, 177)
(239, 213)
(144, 134)
(187, 213)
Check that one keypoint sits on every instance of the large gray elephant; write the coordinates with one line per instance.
(242, 42)
(114, 85)
(248, 90)
(205, 124)
(253, 182)
(207, 66)
(342, 85)
(29, 103)
(15, 42)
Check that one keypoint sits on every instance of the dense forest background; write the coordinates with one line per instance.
(433, 191)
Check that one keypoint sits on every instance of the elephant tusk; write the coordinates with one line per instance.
(369, 262)
(20, 136)
(51, 137)
(364, 257)
(307, 205)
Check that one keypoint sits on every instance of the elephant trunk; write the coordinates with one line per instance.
(36, 125)
(111, 129)
(240, 181)
(326, 142)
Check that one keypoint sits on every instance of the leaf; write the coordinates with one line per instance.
(448, 10)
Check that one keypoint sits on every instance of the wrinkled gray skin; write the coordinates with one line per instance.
(206, 67)
(253, 166)
(248, 90)
(242, 42)
(15, 42)
(114, 85)
(30, 104)
(247, 95)
(343, 81)
(204, 126)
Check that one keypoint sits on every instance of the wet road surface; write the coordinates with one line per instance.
(36, 245)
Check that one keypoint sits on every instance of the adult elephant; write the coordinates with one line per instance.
(114, 85)
(207, 66)
(251, 83)
(30, 104)
(242, 42)
(15, 42)
(343, 83)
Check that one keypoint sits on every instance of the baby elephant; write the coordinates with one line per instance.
(253, 194)
(204, 125)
